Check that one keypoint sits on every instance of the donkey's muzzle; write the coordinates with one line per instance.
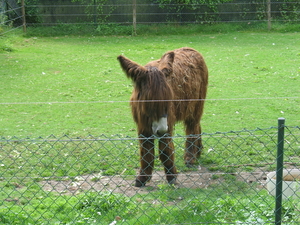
(160, 127)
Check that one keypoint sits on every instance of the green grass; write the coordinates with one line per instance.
(168, 205)
(250, 73)
(60, 89)
(157, 29)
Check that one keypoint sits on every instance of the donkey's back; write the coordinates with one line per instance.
(189, 81)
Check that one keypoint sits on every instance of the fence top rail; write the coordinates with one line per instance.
(156, 4)
(116, 137)
(154, 13)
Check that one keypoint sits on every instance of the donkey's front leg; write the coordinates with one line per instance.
(167, 157)
(146, 161)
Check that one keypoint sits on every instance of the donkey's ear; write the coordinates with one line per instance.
(166, 63)
(131, 68)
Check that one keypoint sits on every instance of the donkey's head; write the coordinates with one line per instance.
(150, 100)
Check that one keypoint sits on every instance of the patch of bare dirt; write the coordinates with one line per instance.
(125, 184)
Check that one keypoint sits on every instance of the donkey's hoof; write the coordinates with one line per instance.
(190, 164)
(139, 183)
(173, 181)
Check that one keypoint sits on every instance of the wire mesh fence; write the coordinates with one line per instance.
(65, 180)
(12, 14)
(151, 12)
(98, 13)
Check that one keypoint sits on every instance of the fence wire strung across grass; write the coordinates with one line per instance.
(12, 15)
(65, 180)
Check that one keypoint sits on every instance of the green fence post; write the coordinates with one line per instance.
(279, 171)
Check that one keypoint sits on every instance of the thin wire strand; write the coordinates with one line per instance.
(174, 100)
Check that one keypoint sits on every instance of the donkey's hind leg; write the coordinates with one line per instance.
(167, 157)
(193, 146)
(146, 160)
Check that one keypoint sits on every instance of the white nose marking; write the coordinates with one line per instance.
(160, 127)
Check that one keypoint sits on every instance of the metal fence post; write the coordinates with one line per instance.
(279, 171)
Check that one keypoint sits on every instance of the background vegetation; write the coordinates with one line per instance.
(160, 11)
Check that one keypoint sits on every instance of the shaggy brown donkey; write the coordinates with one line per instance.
(167, 90)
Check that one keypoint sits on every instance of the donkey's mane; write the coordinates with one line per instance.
(151, 87)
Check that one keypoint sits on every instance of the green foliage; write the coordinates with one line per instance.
(32, 205)
(206, 7)
(290, 10)
(96, 10)
(207, 10)
(5, 46)
(3, 20)
(32, 11)
(202, 206)
(105, 206)
(9, 40)
(192, 3)
(113, 29)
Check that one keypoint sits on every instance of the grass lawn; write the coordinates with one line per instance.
(72, 85)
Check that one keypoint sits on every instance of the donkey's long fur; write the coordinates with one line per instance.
(175, 87)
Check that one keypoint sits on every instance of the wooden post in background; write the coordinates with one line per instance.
(95, 13)
(134, 16)
(23, 16)
(269, 14)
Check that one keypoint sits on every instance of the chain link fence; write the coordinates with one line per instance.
(66, 180)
